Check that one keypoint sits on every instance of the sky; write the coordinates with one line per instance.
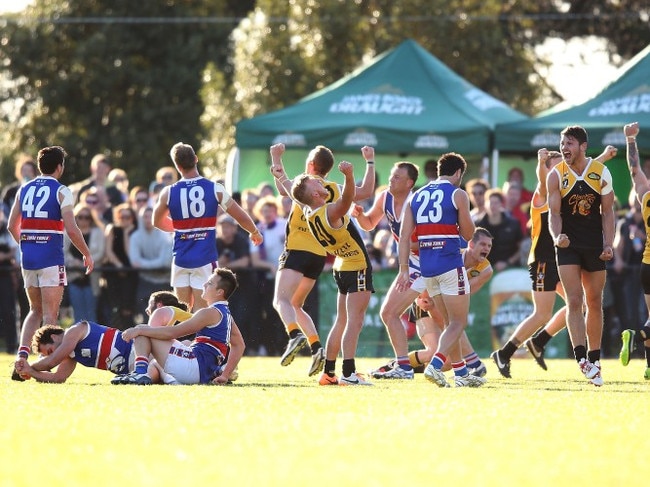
(585, 60)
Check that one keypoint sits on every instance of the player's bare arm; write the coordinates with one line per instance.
(160, 215)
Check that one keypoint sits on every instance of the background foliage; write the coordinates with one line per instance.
(131, 78)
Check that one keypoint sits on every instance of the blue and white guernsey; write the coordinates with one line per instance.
(193, 207)
(41, 227)
(212, 343)
(103, 348)
(436, 226)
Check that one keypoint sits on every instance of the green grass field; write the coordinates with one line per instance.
(276, 426)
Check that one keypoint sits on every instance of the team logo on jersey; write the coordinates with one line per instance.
(474, 273)
(565, 183)
(593, 176)
(582, 203)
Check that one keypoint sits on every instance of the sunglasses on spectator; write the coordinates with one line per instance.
(141, 200)
(84, 217)
(125, 216)
(92, 202)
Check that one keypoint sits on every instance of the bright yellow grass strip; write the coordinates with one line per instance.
(277, 427)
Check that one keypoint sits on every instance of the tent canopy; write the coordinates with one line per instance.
(625, 100)
(405, 101)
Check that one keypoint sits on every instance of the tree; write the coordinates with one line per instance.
(123, 77)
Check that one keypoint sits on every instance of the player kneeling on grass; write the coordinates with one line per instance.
(217, 338)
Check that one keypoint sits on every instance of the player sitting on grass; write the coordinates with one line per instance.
(217, 338)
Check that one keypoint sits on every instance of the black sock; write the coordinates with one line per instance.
(580, 352)
(644, 332)
(508, 351)
(541, 339)
(348, 367)
(330, 367)
(315, 346)
(593, 355)
(294, 333)
(647, 355)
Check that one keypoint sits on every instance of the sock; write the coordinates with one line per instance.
(593, 355)
(460, 369)
(647, 355)
(541, 339)
(414, 359)
(404, 363)
(349, 367)
(330, 367)
(438, 361)
(141, 365)
(508, 350)
(23, 352)
(580, 352)
(644, 332)
(314, 343)
(294, 332)
(472, 360)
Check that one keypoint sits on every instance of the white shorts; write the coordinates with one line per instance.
(194, 278)
(451, 283)
(182, 364)
(53, 276)
(417, 281)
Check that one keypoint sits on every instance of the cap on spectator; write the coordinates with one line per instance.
(227, 219)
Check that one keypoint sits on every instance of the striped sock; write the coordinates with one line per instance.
(403, 362)
(414, 359)
(472, 360)
(141, 365)
(293, 330)
(460, 369)
(23, 352)
(438, 361)
(314, 343)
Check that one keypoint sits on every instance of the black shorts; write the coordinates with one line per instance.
(354, 281)
(416, 313)
(544, 275)
(587, 259)
(308, 264)
(645, 278)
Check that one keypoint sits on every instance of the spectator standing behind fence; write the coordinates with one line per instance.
(516, 176)
(26, 170)
(189, 208)
(476, 189)
(83, 289)
(8, 248)
(266, 257)
(121, 281)
(505, 230)
(234, 252)
(150, 251)
(100, 166)
(44, 204)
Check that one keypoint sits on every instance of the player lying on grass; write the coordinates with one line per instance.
(203, 361)
(94, 345)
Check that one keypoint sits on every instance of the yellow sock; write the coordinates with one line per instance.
(313, 339)
(413, 359)
(292, 326)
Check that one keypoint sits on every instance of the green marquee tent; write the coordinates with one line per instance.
(626, 99)
(405, 101)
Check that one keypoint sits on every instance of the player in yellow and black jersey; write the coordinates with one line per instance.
(303, 258)
(332, 228)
